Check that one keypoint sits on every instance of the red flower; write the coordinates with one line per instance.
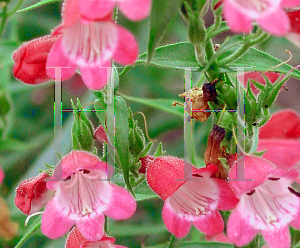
(76, 240)
(32, 194)
(190, 200)
(30, 60)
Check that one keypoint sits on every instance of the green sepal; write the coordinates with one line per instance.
(159, 151)
(259, 154)
(140, 139)
(82, 130)
(145, 151)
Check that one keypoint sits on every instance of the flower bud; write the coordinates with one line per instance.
(199, 98)
(32, 194)
(145, 162)
(30, 60)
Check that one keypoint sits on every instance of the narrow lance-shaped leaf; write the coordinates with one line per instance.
(39, 4)
(122, 137)
(162, 13)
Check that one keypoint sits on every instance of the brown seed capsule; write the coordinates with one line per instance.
(196, 101)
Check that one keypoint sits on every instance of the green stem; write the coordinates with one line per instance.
(32, 229)
(259, 39)
(4, 16)
(106, 224)
(172, 241)
(129, 67)
(15, 8)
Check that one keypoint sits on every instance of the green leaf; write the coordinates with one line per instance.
(39, 4)
(122, 137)
(257, 60)
(164, 105)
(30, 231)
(176, 56)
(162, 13)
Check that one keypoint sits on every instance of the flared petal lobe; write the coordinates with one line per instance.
(135, 10)
(55, 223)
(127, 49)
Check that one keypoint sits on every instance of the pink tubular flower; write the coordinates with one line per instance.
(30, 60)
(294, 34)
(32, 194)
(269, 15)
(195, 199)
(267, 204)
(280, 136)
(258, 77)
(1, 176)
(83, 197)
(133, 9)
(89, 45)
(76, 240)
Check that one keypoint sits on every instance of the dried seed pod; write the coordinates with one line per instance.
(214, 151)
(196, 101)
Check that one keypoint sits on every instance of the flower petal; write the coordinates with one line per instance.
(135, 10)
(295, 223)
(279, 238)
(91, 226)
(96, 77)
(283, 153)
(165, 175)
(127, 50)
(276, 129)
(75, 161)
(54, 223)
(122, 205)
(238, 230)
(275, 22)
(255, 168)
(176, 224)
(237, 21)
(210, 224)
(1, 176)
(94, 9)
(227, 199)
(56, 58)
(289, 3)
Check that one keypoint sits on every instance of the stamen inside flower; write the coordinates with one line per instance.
(81, 190)
(272, 204)
(257, 5)
(91, 43)
(189, 199)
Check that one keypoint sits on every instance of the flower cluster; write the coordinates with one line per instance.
(87, 39)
